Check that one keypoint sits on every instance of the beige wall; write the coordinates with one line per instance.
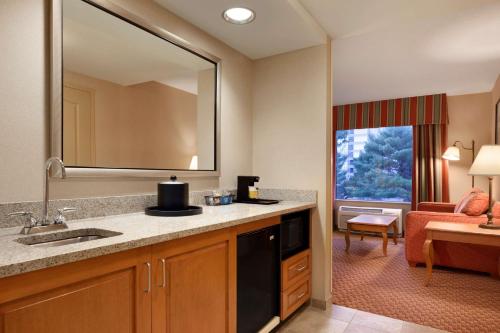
(24, 105)
(469, 120)
(158, 127)
(291, 105)
(23, 99)
(495, 97)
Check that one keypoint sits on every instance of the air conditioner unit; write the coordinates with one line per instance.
(345, 213)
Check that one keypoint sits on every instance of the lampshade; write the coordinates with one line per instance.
(487, 162)
(452, 153)
(194, 163)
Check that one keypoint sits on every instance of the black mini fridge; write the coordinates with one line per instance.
(258, 278)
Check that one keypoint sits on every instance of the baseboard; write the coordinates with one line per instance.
(321, 304)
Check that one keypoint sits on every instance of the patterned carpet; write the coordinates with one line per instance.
(455, 301)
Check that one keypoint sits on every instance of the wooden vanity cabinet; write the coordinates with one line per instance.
(195, 284)
(103, 294)
(185, 285)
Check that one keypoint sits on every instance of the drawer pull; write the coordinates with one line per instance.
(148, 288)
(300, 269)
(301, 295)
(164, 278)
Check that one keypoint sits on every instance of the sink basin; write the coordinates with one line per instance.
(67, 237)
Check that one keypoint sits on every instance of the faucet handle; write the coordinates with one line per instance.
(60, 219)
(30, 220)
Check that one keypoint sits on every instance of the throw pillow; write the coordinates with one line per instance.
(465, 198)
(476, 205)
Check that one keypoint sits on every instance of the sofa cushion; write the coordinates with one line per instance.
(496, 210)
(462, 203)
(476, 205)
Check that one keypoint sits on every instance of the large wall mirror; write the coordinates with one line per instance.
(132, 96)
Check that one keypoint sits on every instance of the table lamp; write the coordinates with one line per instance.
(487, 163)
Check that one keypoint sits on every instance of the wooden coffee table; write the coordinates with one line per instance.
(456, 232)
(372, 223)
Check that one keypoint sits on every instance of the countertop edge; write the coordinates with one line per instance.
(27, 266)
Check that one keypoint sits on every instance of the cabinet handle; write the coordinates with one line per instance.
(300, 269)
(148, 289)
(301, 295)
(164, 277)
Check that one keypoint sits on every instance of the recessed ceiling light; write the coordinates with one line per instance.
(238, 15)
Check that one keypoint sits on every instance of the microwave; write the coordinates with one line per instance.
(294, 233)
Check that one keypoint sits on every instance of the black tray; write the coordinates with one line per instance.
(157, 211)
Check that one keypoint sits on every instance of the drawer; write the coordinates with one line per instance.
(294, 297)
(295, 268)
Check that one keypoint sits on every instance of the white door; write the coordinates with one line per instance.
(78, 127)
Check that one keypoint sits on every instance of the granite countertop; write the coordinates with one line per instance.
(137, 230)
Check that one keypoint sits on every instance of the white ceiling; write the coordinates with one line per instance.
(279, 26)
(381, 48)
(396, 48)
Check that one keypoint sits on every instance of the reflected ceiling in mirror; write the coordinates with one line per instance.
(132, 99)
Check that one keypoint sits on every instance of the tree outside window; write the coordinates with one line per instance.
(375, 164)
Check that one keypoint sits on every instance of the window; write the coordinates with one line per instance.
(375, 164)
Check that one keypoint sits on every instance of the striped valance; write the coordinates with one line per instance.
(409, 111)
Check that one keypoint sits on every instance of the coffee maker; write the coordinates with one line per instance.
(242, 194)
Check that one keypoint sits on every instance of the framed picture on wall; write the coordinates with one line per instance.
(497, 123)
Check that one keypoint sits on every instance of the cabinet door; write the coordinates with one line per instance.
(195, 282)
(105, 294)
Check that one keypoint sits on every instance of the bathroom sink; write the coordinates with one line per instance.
(67, 237)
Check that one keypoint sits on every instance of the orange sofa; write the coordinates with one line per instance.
(473, 257)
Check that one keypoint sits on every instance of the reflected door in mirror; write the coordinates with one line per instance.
(78, 127)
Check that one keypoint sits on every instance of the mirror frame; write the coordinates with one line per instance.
(56, 84)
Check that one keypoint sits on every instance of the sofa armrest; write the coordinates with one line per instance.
(415, 234)
(442, 207)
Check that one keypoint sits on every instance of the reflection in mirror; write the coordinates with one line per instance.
(132, 99)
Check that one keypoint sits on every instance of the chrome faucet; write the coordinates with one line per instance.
(31, 224)
(48, 165)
